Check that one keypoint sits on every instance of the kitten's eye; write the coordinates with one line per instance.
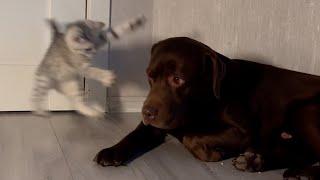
(175, 81)
(101, 36)
(82, 37)
(79, 39)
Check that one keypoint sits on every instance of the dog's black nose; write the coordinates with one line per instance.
(149, 113)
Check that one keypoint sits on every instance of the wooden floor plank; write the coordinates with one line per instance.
(168, 161)
(82, 138)
(63, 146)
(29, 149)
(125, 121)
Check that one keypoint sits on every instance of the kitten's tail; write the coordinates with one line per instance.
(127, 27)
(54, 28)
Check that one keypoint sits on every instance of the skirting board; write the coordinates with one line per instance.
(125, 104)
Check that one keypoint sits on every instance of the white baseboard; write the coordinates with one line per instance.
(125, 104)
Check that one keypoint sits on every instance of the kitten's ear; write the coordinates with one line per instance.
(54, 27)
(94, 24)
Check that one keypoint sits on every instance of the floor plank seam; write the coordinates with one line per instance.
(206, 166)
(114, 122)
(61, 149)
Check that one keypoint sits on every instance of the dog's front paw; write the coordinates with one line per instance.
(107, 78)
(110, 157)
(248, 161)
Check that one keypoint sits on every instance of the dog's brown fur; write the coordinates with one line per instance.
(218, 108)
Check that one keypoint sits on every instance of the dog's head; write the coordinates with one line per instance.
(183, 74)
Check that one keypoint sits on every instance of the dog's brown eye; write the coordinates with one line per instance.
(175, 81)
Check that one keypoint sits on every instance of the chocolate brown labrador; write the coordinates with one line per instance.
(266, 117)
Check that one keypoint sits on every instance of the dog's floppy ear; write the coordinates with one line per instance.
(153, 47)
(218, 69)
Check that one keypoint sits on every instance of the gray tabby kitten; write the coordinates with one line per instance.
(68, 59)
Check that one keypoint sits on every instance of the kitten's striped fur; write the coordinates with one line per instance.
(68, 59)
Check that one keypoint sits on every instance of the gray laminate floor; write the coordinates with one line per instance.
(62, 148)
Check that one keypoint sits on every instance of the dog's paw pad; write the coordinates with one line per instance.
(240, 163)
(109, 157)
(248, 162)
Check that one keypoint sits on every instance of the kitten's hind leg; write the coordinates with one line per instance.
(40, 94)
(71, 90)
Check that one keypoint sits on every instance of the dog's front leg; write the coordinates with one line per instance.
(142, 139)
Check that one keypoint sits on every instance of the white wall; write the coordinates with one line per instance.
(98, 10)
(284, 33)
(129, 57)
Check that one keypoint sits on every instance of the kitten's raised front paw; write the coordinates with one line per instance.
(248, 161)
(110, 157)
(98, 108)
(93, 114)
(107, 78)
